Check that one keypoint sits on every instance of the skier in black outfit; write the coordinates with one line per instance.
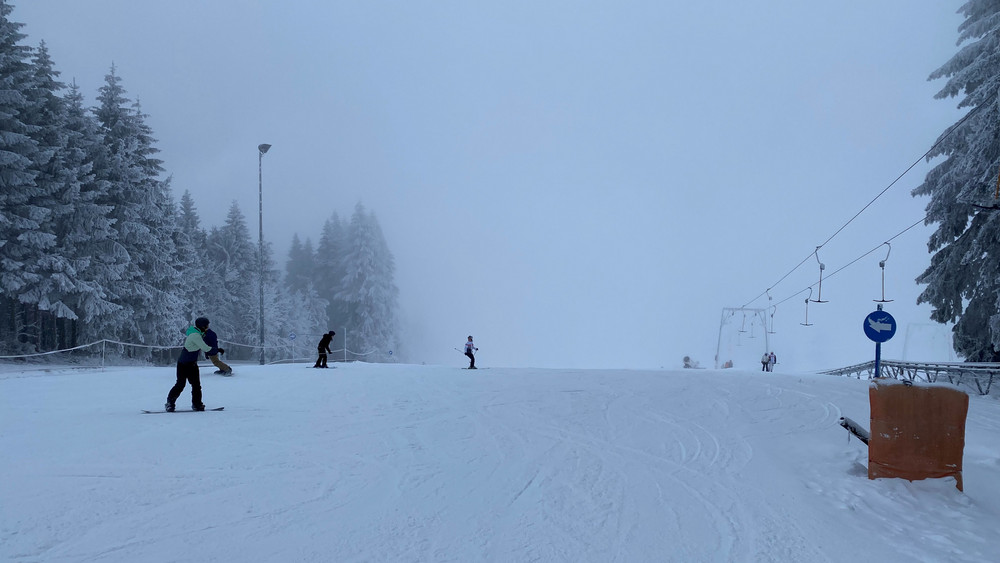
(469, 347)
(187, 366)
(324, 349)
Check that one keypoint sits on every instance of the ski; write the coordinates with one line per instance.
(184, 410)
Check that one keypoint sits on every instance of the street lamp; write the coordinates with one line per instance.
(261, 149)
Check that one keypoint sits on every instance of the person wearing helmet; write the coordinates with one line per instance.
(187, 366)
(469, 348)
(324, 349)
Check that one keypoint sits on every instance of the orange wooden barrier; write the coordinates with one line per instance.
(917, 431)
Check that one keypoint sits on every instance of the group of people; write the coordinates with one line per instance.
(199, 338)
(767, 361)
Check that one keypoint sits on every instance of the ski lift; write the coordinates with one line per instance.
(822, 266)
(807, 323)
(773, 309)
(743, 327)
(881, 264)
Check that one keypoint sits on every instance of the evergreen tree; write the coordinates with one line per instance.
(194, 262)
(369, 288)
(145, 221)
(963, 279)
(234, 293)
(300, 265)
(328, 273)
(49, 273)
(87, 234)
(21, 238)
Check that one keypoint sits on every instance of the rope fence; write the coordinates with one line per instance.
(115, 352)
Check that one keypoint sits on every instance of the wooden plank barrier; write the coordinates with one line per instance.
(917, 430)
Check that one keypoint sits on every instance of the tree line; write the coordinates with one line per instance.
(93, 245)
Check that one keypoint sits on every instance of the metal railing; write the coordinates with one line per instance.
(977, 376)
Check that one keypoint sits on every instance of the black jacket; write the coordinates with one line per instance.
(324, 344)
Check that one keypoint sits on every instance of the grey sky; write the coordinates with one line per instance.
(578, 184)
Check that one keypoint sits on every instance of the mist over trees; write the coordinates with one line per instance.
(963, 279)
(94, 246)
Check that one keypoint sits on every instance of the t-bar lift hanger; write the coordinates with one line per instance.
(881, 264)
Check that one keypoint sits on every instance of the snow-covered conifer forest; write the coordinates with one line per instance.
(95, 247)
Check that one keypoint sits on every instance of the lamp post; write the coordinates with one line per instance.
(261, 149)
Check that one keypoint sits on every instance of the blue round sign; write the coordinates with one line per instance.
(879, 326)
(291, 336)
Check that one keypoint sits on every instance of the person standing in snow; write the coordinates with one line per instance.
(324, 349)
(771, 360)
(187, 366)
(764, 361)
(469, 348)
(213, 340)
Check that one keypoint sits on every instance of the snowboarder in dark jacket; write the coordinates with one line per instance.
(187, 366)
(213, 340)
(324, 349)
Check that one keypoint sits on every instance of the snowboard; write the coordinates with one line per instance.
(182, 410)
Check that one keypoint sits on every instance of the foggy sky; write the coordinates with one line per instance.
(574, 184)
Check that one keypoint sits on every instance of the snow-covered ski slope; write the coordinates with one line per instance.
(431, 463)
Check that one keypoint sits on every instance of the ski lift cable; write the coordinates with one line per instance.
(852, 262)
(929, 151)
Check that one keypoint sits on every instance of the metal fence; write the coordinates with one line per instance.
(977, 376)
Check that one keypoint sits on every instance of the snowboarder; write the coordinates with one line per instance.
(469, 348)
(764, 361)
(324, 349)
(213, 340)
(187, 366)
(771, 360)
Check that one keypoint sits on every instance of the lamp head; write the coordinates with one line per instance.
(263, 148)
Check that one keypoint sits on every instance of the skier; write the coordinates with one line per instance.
(324, 349)
(213, 340)
(771, 360)
(469, 347)
(187, 366)
(764, 360)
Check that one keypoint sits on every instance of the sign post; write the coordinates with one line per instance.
(879, 327)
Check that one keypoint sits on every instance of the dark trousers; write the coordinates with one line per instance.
(321, 360)
(187, 372)
(472, 359)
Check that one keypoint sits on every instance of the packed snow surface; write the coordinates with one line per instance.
(431, 463)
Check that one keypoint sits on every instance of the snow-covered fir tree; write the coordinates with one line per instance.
(54, 275)
(199, 275)
(307, 311)
(963, 279)
(369, 288)
(300, 264)
(87, 234)
(23, 216)
(145, 219)
(232, 300)
(328, 272)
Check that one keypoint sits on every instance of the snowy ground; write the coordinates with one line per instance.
(430, 463)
